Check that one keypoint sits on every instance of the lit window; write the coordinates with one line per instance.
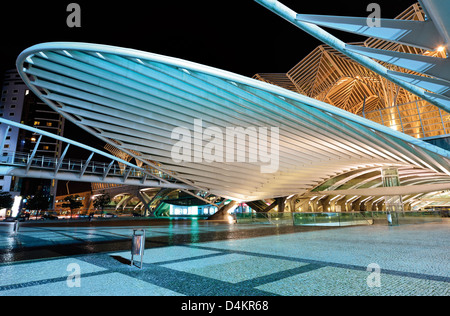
(49, 123)
(37, 123)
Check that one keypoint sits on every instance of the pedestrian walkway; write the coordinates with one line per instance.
(412, 260)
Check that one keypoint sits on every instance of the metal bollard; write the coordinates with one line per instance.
(137, 245)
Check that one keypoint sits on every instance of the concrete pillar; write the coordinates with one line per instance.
(145, 200)
(222, 213)
(280, 202)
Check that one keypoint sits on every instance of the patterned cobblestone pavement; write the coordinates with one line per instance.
(369, 260)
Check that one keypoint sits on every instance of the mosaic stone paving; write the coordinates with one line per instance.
(413, 260)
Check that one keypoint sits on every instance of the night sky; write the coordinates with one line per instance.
(235, 35)
(239, 36)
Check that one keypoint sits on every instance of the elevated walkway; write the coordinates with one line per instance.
(26, 165)
(115, 171)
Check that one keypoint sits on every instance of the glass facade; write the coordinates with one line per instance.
(201, 210)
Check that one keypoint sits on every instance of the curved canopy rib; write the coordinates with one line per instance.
(143, 103)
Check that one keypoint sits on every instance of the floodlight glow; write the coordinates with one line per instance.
(16, 205)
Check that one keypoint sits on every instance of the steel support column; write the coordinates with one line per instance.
(393, 204)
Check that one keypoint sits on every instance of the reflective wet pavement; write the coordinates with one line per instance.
(212, 259)
(37, 240)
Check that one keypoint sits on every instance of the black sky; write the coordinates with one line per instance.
(235, 35)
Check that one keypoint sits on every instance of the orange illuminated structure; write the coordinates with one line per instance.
(330, 76)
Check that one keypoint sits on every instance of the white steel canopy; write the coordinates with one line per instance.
(135, 100)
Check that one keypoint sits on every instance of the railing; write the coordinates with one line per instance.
(419, 217)
(337, 219)
(304, 219)
(265, 218)
(331, 219)
(19, 159)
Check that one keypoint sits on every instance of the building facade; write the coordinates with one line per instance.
(13, 96)
(21, 105)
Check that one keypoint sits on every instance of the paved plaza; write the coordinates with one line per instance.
(216, 259)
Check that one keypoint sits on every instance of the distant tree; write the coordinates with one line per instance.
(102, 200)
(72, 202)
(38, 202)
(6, 200)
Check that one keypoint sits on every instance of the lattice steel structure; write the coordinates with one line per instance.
(332, 77)
(404, 70)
